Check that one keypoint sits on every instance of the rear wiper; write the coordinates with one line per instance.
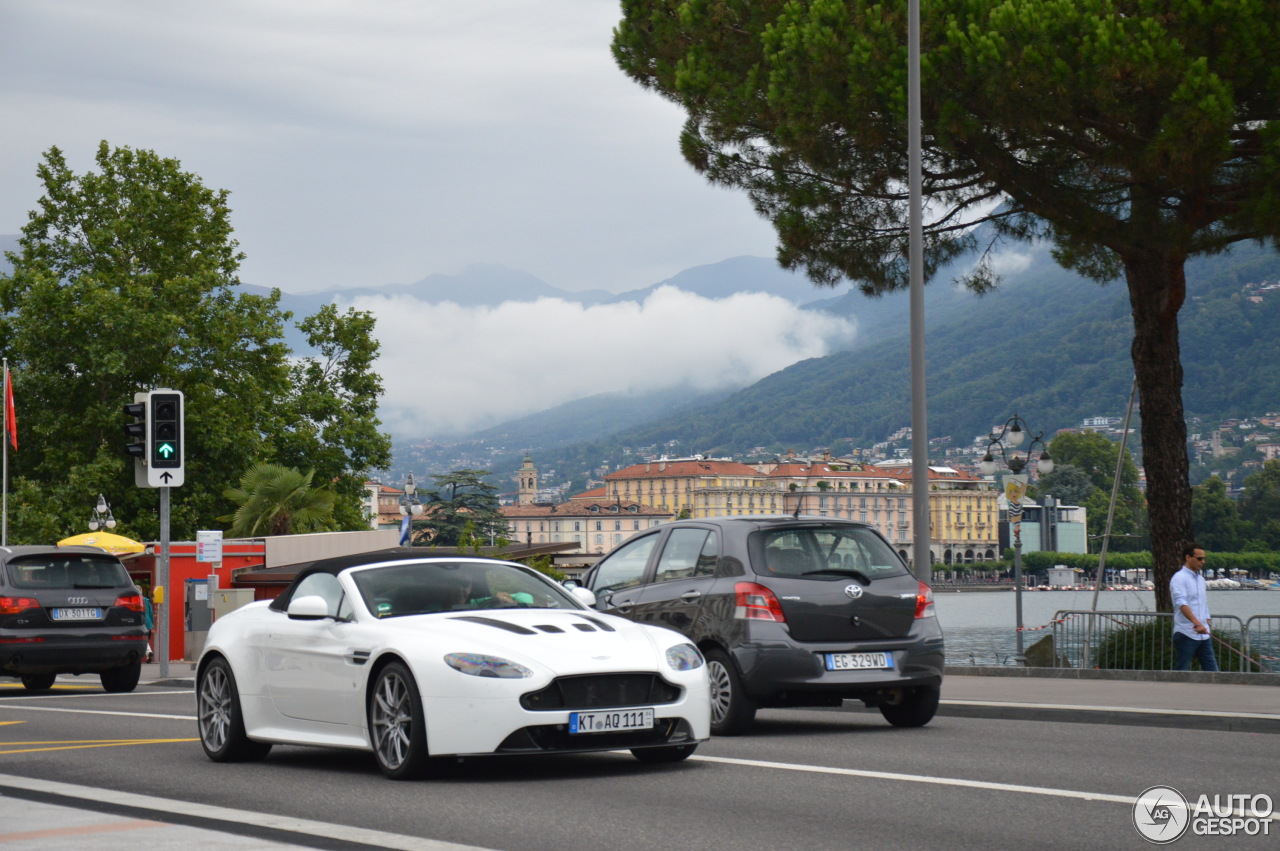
(838, 571)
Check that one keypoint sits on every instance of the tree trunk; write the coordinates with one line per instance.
(1157, 289)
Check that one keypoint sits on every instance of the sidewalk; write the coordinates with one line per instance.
(1146, 699)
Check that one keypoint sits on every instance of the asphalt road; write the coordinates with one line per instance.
(807, 780)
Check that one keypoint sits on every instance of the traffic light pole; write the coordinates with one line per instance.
(162, 579)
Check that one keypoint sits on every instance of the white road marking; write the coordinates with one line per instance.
(161, 806)
(14, 704)
(937, 781)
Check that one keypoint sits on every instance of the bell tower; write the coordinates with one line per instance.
(528, 482)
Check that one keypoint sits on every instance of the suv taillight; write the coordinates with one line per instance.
(132, 602)
(13, 605)
(924, 602)
(757, 603)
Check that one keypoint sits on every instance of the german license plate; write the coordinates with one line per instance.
(610, 721)
(77, 614)
(858, 661)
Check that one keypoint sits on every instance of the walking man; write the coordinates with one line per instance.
(1191, 613)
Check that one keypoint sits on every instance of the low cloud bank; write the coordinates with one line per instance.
(448, 369)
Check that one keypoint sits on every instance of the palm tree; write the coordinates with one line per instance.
(276, 500)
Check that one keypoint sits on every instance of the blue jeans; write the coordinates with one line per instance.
(1185, 648)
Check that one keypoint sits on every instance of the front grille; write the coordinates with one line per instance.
(556, 738)
(602, 691)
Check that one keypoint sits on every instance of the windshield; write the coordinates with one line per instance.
(81, 570)
(429, 587)
(824, 552)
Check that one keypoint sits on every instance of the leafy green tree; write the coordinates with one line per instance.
(276, 500)
(1260, 504)
(329, 420)
(1217, 521)
(1133, 134)
(126, 280)
(1094, 455)
(1067, 483)
(462, 508)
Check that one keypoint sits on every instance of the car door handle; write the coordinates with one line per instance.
(622, 606)
(690, 596)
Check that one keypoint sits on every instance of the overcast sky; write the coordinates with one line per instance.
(380, 141)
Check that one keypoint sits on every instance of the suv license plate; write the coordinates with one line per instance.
(858, 661)
(609, 722)
(77, 614)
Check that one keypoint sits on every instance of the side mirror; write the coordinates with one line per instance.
(584, 595)
(309, 608)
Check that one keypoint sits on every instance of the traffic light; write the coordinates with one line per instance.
(157, 432)
(138, 428)
(164, 441)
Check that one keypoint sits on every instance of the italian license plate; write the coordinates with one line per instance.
(610, 721)
(90, 614)
(858, 661)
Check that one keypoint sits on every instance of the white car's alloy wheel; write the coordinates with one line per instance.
(215, 709)
(218, 716)
(396, 724)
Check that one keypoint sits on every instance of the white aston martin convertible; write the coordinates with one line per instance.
(417, 657)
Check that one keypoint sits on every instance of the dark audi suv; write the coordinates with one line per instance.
(69, 610)
(789, 611)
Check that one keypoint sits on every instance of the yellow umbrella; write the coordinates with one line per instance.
(114, 544)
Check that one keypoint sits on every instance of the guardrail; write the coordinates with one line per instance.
(1262, 640)
(1144, 641)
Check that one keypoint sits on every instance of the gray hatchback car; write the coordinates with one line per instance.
(69, 610)
(788, 611)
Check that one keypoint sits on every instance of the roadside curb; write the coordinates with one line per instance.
(1226, 722)
(1219, 678)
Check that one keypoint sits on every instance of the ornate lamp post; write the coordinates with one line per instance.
(101, 515)
(410, 507)
(1010, 437)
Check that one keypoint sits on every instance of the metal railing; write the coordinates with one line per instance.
(1143, 641)
(1262, 640)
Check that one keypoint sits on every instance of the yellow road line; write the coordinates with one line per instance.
(70, 746)
(81, 830)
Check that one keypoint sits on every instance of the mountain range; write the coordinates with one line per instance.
(1047, 344)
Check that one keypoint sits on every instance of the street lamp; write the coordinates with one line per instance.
(1010, 437)
(410, 507)
(101, 515)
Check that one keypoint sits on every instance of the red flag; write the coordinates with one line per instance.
(10, 418)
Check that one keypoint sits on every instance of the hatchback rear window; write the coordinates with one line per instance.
(32, 573)
(822, 552)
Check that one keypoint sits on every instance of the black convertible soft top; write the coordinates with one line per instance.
(337, 564)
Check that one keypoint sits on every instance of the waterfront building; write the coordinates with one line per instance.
(594, 522)
(697, 487)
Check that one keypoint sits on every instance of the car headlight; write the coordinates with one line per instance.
(479, 665)
(684, 657)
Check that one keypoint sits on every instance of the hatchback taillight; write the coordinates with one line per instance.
(14, 605)
(757, 603)
(132, 602)
(924, 602)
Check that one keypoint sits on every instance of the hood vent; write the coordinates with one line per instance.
(509, 627)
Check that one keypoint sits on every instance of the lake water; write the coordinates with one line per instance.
(981, 626)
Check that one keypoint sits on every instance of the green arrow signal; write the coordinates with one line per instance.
(165, 449)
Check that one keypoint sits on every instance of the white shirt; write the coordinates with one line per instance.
(1188, 589)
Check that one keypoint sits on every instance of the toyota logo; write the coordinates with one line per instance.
(853, 592)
